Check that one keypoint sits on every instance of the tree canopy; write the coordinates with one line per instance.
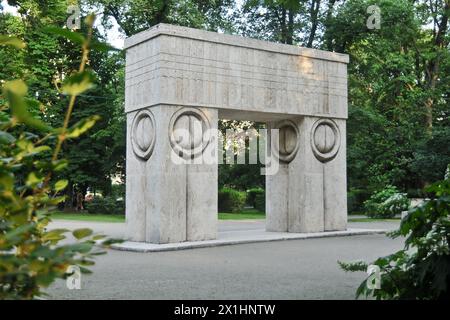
(398, 126)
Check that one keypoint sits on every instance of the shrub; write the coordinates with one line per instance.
(260, 202)
(396, 203)
(105, 205)
(231, 200)
(31, 256)
(118, 191)
(422, 269)
(355, 200)
(386, 203)
(251, 195)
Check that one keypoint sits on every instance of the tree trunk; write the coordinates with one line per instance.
(282, 20)
(432, 70)
(290, 28)
(314, 12)
(328, 36)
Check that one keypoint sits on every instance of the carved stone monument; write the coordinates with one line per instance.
(179, 78)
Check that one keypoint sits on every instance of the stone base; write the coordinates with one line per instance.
(239, 237)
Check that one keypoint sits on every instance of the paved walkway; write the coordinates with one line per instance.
(295, 269)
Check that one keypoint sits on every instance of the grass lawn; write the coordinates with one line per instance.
(372, 220)
(247, 214)
(77, 216)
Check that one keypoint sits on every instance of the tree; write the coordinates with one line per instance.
(421, 270)
(31, 256)
(388, 90)
(432, 155)
(134, 16)
(47, 60)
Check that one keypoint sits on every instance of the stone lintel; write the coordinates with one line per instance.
(233, 40)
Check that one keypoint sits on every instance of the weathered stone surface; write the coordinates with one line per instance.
(182, 80)
(182, 66)
(308, 193)
(169, 201)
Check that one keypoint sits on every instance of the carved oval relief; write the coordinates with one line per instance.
(143, 134)
(189, 132)
(325, 139)
(288, 136)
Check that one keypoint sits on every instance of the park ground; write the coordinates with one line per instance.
(294, 269)
(246, 214)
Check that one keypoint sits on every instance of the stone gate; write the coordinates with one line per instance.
(183, 78)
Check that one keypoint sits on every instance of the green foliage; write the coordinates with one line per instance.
(260, 202)
(393, 102)
(251, 195)
(386, 203)
(231, 200)
(15, 91)
(398, 79)
(422, 269)
(239, 176)
(432, 155)
(393, 205)
(256, 197)
(106, 205)
(118, 191)
(31, 256)
(138, 15)
(78, 83)
(355, 200)
(50, 56)
(11, 41)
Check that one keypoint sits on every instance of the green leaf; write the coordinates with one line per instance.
(40, 149)
(14, 92)
(75, 37)
(54, 235)
(82, 233)
(6, 138)
(102, 46)
(110, 241)
(86, 262)
(98, 237)
(78, 247)
(11, 41)
(17, 87)
(6, 180)
(24, 145)
(82, 126)
(54, 201)
(58, 165)
(85, 270)
(16, 233)
(78, 83)
(61, 184)
(33, 180)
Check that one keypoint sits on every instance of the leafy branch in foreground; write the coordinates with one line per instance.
(422, 269)
(31, 256)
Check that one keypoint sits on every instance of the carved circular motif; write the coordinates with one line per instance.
(325, 139)
(288, 136)
(189, 132)
(143, 134)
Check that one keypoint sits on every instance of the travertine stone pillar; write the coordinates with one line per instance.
(178, 78)
(335, 184)
(308, 192)
(169, 198)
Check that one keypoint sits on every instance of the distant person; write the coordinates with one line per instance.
(89, 197)
(79, 200)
